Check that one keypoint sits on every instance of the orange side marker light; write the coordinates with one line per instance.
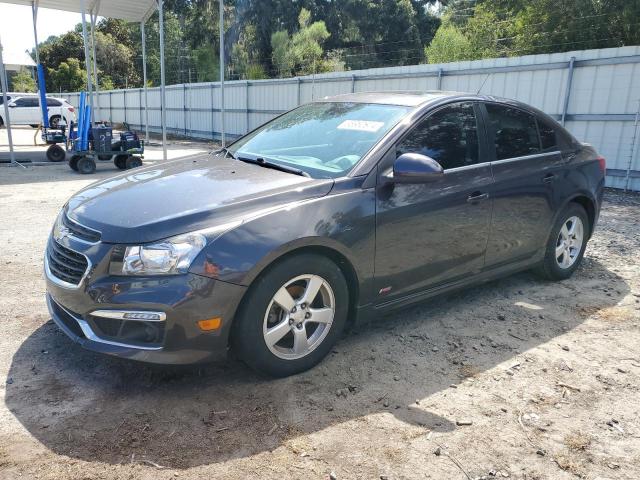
(210, 324)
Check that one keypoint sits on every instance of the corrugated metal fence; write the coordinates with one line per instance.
(596, 93)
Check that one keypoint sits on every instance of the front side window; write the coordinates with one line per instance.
(514, 132)
(449, 136)
(324, 139)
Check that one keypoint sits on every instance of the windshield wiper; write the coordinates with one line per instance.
(275, 166)
(226, 151)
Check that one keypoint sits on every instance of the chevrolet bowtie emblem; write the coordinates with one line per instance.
(62, 233)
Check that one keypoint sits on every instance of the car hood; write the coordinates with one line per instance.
(148, 204)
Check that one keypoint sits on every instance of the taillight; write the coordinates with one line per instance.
(71, 109)
(603, 164)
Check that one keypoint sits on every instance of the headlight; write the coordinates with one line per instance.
(167, 257)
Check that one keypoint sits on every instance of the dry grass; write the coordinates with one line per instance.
(577, 441)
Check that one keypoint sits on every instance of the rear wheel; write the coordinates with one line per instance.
(86, 165)
(73, 162)
(121, 161)
(566, 244)
(54, 121)
(55, 153)
(133, 162)
(292, 316)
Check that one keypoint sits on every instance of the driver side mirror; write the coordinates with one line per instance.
(416, 168)
(12, 105)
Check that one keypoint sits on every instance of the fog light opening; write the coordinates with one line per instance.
(210, 324)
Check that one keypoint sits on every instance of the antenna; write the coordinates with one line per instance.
(483, 82)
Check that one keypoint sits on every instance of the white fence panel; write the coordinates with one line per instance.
(601, 99)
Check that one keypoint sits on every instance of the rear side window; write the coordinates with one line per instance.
(51, 102)
(27, 102)
(514, 132)
(449, 136)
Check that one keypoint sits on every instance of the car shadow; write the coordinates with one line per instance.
(98, 408)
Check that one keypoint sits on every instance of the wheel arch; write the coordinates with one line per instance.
(590, 207)
(334, 254)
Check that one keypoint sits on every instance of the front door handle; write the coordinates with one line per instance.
(476, 197)
(549, 177)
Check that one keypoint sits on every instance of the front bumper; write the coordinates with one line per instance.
(184, 299)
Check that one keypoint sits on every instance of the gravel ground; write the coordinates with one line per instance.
(517, 378)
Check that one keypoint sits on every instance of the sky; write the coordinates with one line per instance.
(16, 26)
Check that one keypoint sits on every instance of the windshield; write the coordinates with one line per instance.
(324, 140)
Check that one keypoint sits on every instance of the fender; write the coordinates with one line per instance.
(343, 222)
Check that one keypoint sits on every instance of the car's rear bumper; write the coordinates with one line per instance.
(181, 301)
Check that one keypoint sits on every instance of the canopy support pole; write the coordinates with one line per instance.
(144, 82)
(162, 92)
(87, 58)
(7, 120)
(34, 14)
(221, 3)
(94, 17)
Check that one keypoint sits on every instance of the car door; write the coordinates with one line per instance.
(522, 193)
(432, 233)
(26, 111)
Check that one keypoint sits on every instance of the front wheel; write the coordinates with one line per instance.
(55, 153)
(566, 244)
(292, 316)
(86, 165)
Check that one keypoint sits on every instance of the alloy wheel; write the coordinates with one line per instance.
(299, 316)
(569, 242)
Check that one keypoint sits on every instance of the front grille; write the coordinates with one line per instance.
(65, 264)
(81, 231)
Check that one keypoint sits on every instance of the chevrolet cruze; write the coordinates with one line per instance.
(330, 213)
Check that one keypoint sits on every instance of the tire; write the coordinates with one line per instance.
(73, 162)
(1, 122)
(260, 314)
(54, 121)
(55, 153)
(86, 165)
(133, 162)
(559, 263)
(120, 161)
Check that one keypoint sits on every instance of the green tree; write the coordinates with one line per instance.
(281, 56)
(449, 45)
(23, 82)
(68, 77)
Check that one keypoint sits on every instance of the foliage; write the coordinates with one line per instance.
(301, 52)
(23, 82)
(449, 45)
(68, 77)
(268, 38)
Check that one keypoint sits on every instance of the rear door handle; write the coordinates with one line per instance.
(549, 177)
(476, 197)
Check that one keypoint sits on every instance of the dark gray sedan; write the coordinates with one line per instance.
(332, 212)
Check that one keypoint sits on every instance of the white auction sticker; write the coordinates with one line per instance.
(361, 125)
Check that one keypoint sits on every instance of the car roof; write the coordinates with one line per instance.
(405, 98)
(418, 98)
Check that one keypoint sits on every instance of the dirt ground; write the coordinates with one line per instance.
(517, 378)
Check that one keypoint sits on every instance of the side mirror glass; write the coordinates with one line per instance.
(416, 168)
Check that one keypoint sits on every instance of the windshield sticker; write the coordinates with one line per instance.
(361, 125)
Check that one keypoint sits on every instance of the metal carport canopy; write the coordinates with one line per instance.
(131, 10)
